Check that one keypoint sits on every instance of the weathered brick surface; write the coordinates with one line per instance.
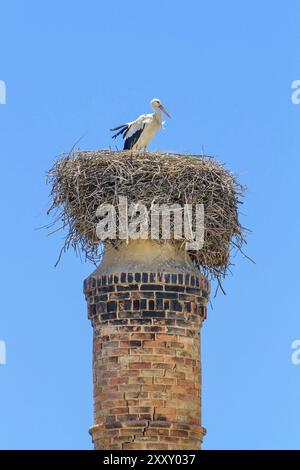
(146, 365)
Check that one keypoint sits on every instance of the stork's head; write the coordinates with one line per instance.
(156, 104)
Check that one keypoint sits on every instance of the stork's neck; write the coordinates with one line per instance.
(157, 114)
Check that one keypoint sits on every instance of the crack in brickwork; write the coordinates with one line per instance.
(146, 364)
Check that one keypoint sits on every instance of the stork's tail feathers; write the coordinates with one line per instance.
(123, 128)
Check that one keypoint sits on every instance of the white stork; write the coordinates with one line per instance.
(139, 133)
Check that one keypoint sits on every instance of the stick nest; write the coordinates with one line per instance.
(83, 180)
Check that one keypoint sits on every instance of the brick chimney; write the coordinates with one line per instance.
(146, 303)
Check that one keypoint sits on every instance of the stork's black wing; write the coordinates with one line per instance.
(133, 137)
(123, 128)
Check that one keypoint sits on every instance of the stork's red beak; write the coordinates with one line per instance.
(164, 110)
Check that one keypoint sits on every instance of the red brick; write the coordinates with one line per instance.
(140, 365)
(166, 337)
(135, 446)
(118, 410)
(153, 388)
(178, 433)
(141, 409)
(135, 424)
(157, 432)
(155, 446)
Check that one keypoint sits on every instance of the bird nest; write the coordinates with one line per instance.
(83, 180)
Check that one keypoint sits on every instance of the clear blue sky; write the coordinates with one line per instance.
(224, 71)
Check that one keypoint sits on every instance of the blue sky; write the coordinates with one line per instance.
(224, 71)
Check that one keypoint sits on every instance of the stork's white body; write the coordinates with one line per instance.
(150, 123)
(139, 133)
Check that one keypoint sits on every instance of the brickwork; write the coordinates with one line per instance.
(146, 365)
